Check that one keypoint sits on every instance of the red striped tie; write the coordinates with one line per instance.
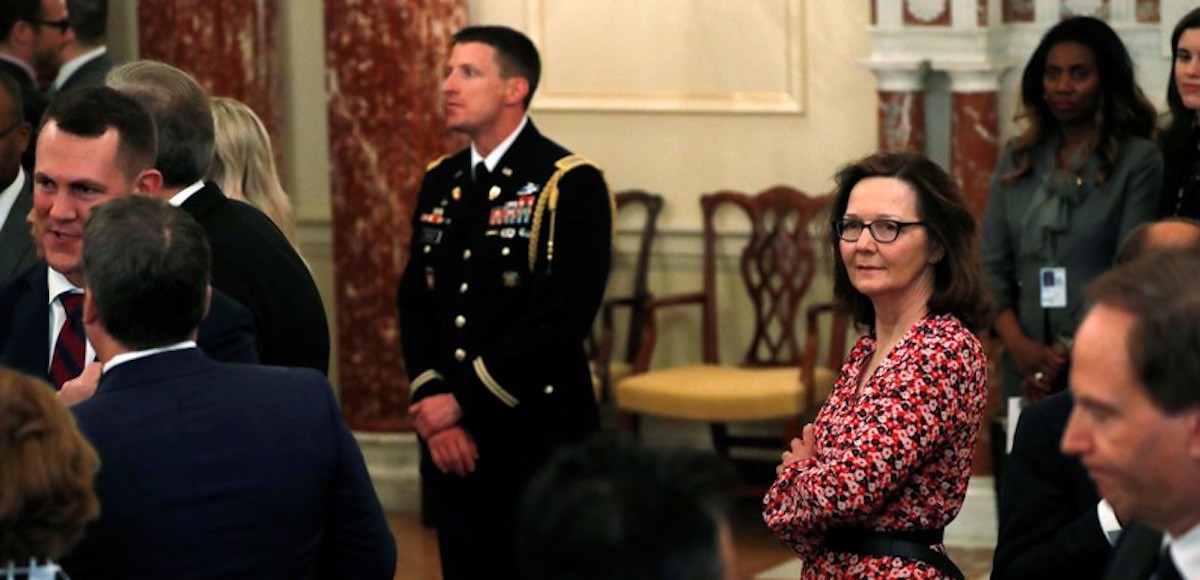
(70, 348)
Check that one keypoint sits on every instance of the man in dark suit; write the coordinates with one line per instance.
(32, 36)
(508, 262)
(1136, 420)
(208, 470)
(85, 57)
(1053, 523)
(252, 260)
(16, 186)
(96, 145)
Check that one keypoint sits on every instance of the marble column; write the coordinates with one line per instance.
(229, 46)
(974, 133)
(384, 60)
(901, 108)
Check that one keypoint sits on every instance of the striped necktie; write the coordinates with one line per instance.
(71, 347)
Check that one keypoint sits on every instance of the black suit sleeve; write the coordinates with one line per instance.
(227, 333)
(357, 542)
(1048, 528)
(418, 314)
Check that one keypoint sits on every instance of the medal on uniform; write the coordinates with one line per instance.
(507, 171)
(494, 192)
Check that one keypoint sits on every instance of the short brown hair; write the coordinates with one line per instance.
(46, 472)
(1160, 291)
(958, 277)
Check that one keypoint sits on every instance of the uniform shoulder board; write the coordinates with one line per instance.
(571, 162)
(435, 162)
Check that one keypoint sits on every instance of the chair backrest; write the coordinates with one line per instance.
(651, 204)
(777, 266)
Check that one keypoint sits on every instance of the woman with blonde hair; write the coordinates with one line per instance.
(47, 470)
(243, 164)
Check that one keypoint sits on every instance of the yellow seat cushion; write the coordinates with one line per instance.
(718, 394)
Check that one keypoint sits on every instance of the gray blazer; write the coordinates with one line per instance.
(16, 243)
(1016, 245)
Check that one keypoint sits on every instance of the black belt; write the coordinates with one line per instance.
(909, 544)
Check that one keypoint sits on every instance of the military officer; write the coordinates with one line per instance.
(509, 259)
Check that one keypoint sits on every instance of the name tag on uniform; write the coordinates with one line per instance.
(1053, 283)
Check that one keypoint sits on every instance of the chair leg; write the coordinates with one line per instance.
(720, 438)
(629, 423)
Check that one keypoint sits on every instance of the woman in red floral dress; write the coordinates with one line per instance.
(867, 489)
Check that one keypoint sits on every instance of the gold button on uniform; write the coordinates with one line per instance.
(459, 354)
(549, 390)
(467, 254)
(460, 321)
(505, 251)
(462, 288)
(428, 249)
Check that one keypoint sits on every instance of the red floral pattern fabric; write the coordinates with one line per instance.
(895, 457)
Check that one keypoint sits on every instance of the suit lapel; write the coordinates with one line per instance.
(204, 201)
(28, 347)
(1135, 554)
(15, 240)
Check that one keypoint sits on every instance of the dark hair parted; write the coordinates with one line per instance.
(147, 268)
(958, 277)
(1122, 109)
(92, 111)
(14, 11)
(179, 106)
(47, 470)
(1178, 134)
(1159, 290)
(89, 21)
(515, 53)
(609, 509)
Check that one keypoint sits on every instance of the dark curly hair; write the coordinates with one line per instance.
(1123, 110)
(958, 277)
(46, 472)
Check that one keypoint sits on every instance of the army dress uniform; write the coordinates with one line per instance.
(505, 276)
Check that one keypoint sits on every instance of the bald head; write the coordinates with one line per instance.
(1176, 233)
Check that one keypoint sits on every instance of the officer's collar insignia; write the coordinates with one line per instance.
(529, 188)
(456, 193)
(494, 192)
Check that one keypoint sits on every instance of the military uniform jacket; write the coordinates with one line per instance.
(503, 283)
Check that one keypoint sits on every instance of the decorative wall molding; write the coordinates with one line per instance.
(927, 10)
(730, 57)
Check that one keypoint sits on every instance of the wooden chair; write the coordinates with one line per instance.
(779, 378)
(606, 368)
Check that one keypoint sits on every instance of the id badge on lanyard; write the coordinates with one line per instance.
(1052, 281)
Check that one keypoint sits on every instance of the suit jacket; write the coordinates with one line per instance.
(91, 74)
(1048, 522)
(226, 335)
(16, 243)
(496, 324)
(254, 264)
(35, 105)
(226, 471)
(1135, 555)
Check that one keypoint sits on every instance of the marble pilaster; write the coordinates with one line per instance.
(229, 46)
(901, 105)
(974, 133)
(383, 61)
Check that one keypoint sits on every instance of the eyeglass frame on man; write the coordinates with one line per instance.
(62, 25)
(839, 228)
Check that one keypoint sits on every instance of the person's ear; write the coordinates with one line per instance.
(149, 182)
(516, 90)
(937, 254)
(90, 313)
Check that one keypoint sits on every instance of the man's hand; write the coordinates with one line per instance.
(82, 387)
(802, 447)
(435, 413)
(453, 451)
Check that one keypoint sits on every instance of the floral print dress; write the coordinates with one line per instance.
(895, 457)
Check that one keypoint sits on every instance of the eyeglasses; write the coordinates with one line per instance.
(884, 231)
(5, 132)
(61, 25)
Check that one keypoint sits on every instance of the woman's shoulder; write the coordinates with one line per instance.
(1138, 147)
(948, 328)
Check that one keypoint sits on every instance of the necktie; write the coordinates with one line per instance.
(1166, 567)
(70, 348)
(481, 172)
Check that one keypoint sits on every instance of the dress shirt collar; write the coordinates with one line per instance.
(493, 158)
(58, 284)
(69, 67)
(181, 198)
(8, 196)
(1185, 550)
(134, 355)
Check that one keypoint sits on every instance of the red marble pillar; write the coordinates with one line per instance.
(229, 46)
(974, 145)
(901, 121)
(384, 60)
